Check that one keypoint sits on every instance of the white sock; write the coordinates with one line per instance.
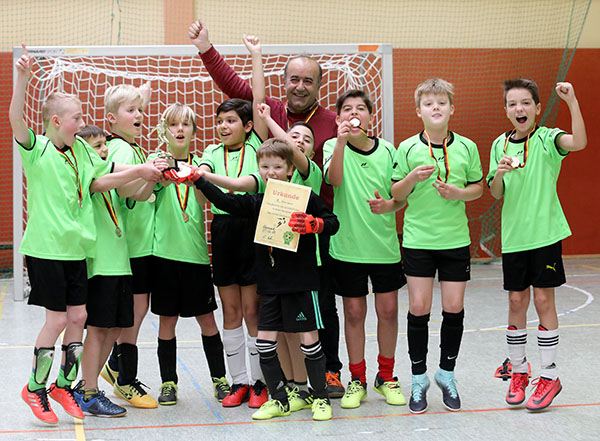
(255, 371)
(233, 344)
(548, 344)
(517, 342)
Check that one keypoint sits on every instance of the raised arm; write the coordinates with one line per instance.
(17, 103)
(222, 74)
(258, 84)
(578, 139)
(335, 173)
(146, 91)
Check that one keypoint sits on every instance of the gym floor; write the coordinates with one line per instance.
(574, 415)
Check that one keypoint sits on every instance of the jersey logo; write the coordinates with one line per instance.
(552, 267)
(364, 165)
(300, 317)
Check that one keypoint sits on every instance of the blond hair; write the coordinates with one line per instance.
(54, 105)
(117, 95)
(436, 86)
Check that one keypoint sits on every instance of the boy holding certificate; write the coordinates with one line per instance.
(287, 281)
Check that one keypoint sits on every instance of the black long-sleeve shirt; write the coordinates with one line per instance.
(291, 272)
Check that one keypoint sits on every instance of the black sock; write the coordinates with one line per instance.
(128, 362)
(213, 350)
(113, 360)
(418, 338)
(315, 368)
(271, 369)
(450, 338)
(167, 359)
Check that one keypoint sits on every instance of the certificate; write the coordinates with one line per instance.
(280, 201)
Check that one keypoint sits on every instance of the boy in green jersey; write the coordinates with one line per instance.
(366, 246)
(233, 267)
(182, 283)
(124, 109)
(61, 171)
(436, 171)
(524, 167)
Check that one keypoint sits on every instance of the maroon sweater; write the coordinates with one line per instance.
(322, 122)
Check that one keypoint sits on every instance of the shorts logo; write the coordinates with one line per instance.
(552, 267)
(300, 317)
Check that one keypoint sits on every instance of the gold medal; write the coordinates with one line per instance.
(152, 198)
(185, 216)
(118, 232)
(272, 260)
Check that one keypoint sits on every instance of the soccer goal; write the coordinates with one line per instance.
(177, 74)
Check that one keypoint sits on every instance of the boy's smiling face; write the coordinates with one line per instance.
(521, 110)
(435, 110)
(304, 139)
(273, 167)
(231, 129)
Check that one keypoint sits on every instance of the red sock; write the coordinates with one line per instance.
(386, 368)
(359, 370)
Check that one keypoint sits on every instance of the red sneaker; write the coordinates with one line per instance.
(259, 395)
(516, 390)
(240, 393)
(38, 402)
(545, 392)
(64, 395)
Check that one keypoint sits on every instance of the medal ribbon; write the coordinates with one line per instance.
(110, 208)
(184, 201)
(139, 153)
(310, 115)
(445, 148)
(240, 162)
(526, 148)
(75, 168)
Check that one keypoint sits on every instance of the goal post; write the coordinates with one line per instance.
(177, 74)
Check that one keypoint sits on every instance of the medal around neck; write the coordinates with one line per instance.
(515, 162)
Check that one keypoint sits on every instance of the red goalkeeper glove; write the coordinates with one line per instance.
(305, 223)
(185, 173)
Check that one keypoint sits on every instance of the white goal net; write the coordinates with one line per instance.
(177, 74)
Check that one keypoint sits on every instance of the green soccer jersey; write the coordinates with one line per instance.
(112, 255)
(235, 163)
(313, 179)
(430, 221)
(179, 224)
(138, 216)
(58, 228)
(363, 237)
(531, 214)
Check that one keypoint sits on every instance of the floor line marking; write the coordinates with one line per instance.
(283, 421)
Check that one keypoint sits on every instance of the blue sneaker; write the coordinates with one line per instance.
(418, 393)
(98, 405)
(447, 383)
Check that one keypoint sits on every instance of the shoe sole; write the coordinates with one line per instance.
(120, 415)
(515, 403)
(271, 417)
(386, 400)
(167, 403)
(338, 394)
(535, 409)
(52, 423)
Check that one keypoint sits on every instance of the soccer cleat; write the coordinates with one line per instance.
(38, 402)
(258, 395)
(355, 393)
(516, 389)
(168, 394)
(239, 393)
(391, 390)
(221, 387)
(98, 405)
(109, 374)
(545, 391)
(298, 399)
(447, 383)
(418, 393)
(271, 409)
(64, 396)
(321, 409)
(505, 370)
(135, 394)
(335, 388)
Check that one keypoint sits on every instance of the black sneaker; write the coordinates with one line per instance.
(447, 383)
(335, 388)
(168, 394)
